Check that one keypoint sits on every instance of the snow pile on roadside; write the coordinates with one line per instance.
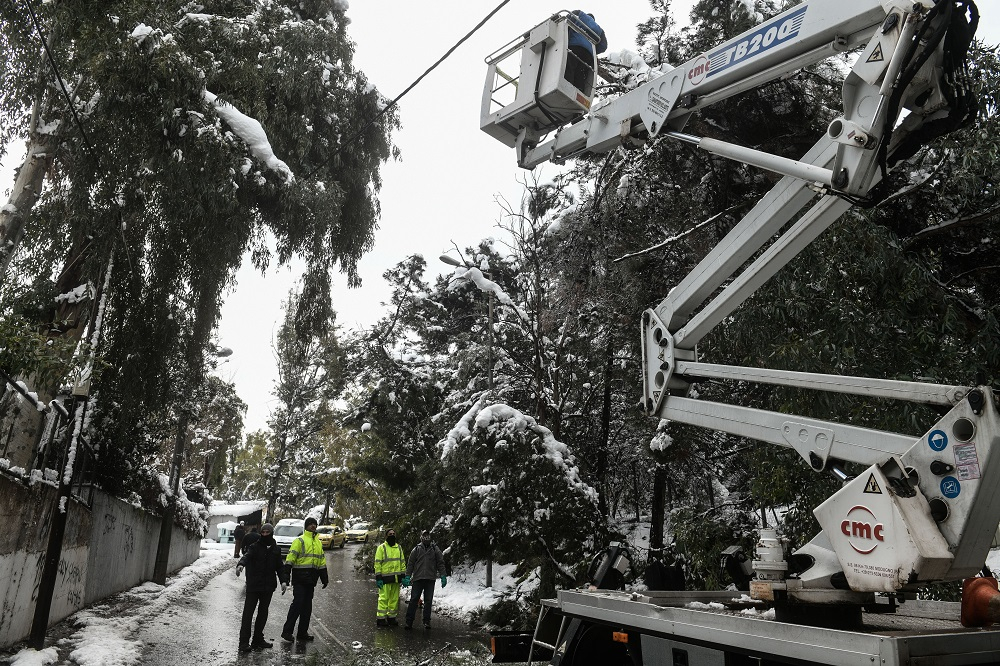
(466, 591)
(32, 658)
(104, 629)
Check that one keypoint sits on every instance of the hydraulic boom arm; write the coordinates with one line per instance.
(928, 493)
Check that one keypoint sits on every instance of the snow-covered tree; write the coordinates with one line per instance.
(309, 374)
(168, 141)
(518, 494)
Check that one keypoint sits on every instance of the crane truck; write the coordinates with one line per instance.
(923, 510)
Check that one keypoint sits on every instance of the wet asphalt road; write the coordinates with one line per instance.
(205, 628)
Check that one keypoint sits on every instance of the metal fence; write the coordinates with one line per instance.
(55, 443)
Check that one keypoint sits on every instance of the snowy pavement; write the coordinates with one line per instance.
(107, 634)
(195, 617)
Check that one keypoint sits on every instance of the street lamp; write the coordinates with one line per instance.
(451, 261)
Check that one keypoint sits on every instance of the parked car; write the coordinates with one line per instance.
(361, 532)
(285, 532)
(331, 536)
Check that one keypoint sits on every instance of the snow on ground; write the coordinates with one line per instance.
(32, 658)
(103, 635)
(103, 632)
(466, 591)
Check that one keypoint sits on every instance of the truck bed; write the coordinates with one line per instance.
(717, 624)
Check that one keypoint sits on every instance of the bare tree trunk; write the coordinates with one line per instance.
(39, 156)
(273, 491)
(24, 196)
(658, 511)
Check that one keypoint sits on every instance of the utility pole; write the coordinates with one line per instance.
(169, 511)
(57, 516)
(489, 385)
(57, 530)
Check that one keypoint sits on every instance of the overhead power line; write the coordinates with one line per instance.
(59, 78)
(420, 78)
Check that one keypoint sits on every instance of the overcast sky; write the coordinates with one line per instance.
(443, 189)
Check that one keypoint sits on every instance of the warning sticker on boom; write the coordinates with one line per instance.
(967, 461)
(872, 487)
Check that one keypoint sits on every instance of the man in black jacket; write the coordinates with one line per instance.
(265, 568)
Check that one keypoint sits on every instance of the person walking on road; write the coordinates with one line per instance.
(425, 565)
(238, 535)
(265, 569)
(307, 562)
(250, 537)
(390, 569)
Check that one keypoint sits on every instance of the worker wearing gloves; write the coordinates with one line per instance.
(390, 569)
(307, 562)
(425, 565)
(264, 568)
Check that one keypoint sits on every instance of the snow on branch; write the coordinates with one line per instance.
(476, 276)
(489, 417)
(252, 133)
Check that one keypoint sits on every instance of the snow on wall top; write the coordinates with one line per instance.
(238, 509)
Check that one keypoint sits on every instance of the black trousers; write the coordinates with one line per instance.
(301, 608)
(259, 601)
(425, 586)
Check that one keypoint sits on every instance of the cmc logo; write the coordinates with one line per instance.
(699, 70)
(862, 530)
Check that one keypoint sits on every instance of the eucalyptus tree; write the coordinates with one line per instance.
(310, 372)
(165, 142)
(898, 291)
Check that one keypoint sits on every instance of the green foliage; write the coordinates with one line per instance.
(246, 474)
(519, 492)
(158, 181)
(309, 375)
(509, 613)
(702, 536)
(24, 350)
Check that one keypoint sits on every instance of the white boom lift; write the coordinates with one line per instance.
(925, 509)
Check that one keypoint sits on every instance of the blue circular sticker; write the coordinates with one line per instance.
(938, 440)
(950, 487)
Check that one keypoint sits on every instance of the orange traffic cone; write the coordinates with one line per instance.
(980, 602)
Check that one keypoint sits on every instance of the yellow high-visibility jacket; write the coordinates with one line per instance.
(390, 563)
(307, 560)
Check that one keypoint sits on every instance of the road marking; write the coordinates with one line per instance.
(335, 639)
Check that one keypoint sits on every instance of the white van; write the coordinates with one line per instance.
(285, 532)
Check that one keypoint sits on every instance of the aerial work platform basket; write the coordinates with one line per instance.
(536, 83)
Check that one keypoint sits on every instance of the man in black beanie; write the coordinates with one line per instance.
(262, 561)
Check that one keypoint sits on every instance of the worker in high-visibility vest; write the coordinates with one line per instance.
(390, 568)
(307, 561)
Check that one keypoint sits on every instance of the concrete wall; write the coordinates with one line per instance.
(105, 550)
(123, 550)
